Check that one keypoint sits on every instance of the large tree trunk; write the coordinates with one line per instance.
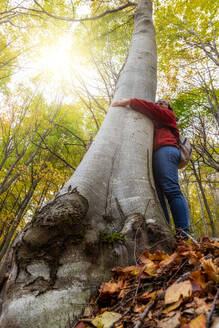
(59, 259)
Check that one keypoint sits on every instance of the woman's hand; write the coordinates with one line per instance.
(122, 102)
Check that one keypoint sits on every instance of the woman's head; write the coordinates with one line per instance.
(164, 103)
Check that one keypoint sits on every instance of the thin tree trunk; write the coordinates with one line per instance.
(186, 180)
(214, 199)
(20, 212)
(61, 256)
(203, 214)
(204, 200)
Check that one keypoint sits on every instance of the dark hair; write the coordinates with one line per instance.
(169, 107)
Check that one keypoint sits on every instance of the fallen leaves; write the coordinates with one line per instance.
(201, 306)
(172, 322)
(173, 306)
(173, 291)
(106, 319)
(112, 287)
(199, 277)
(169, 260)
(198, 322)
(211, 269)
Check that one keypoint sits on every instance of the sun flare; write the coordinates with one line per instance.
(60, 62)
(56, 60)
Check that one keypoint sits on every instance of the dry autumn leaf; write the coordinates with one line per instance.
(111, 287)
(194, 257)
(168, 261)
(143, 258)
(106, 319)
(132, 270)
(125, 289)
(199, 277)
(174, 292)
(202, 306)
(196, 288)
(172, 322)
(173, 306)
(198, 322)
(157, 256)
(210, 269)
(150, 268)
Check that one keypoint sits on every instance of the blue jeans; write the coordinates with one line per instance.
(165, 170)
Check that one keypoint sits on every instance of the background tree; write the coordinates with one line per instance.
(78, 128)
(39, 149)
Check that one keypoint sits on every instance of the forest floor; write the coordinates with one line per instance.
(171, 291)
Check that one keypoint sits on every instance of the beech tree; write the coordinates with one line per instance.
(105, 214)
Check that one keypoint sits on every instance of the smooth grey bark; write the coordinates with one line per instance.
(60, 258)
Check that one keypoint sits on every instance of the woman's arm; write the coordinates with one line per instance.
(123, 102)
(153, 111)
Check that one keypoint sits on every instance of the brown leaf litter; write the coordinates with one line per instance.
(173, 291)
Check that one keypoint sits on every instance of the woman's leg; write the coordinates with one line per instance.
(160, 194)
(165, 166)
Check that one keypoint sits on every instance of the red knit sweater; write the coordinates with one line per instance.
(163, 118)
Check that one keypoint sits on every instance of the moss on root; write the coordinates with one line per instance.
(111, 238)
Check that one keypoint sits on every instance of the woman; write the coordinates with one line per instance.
(166, 157)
